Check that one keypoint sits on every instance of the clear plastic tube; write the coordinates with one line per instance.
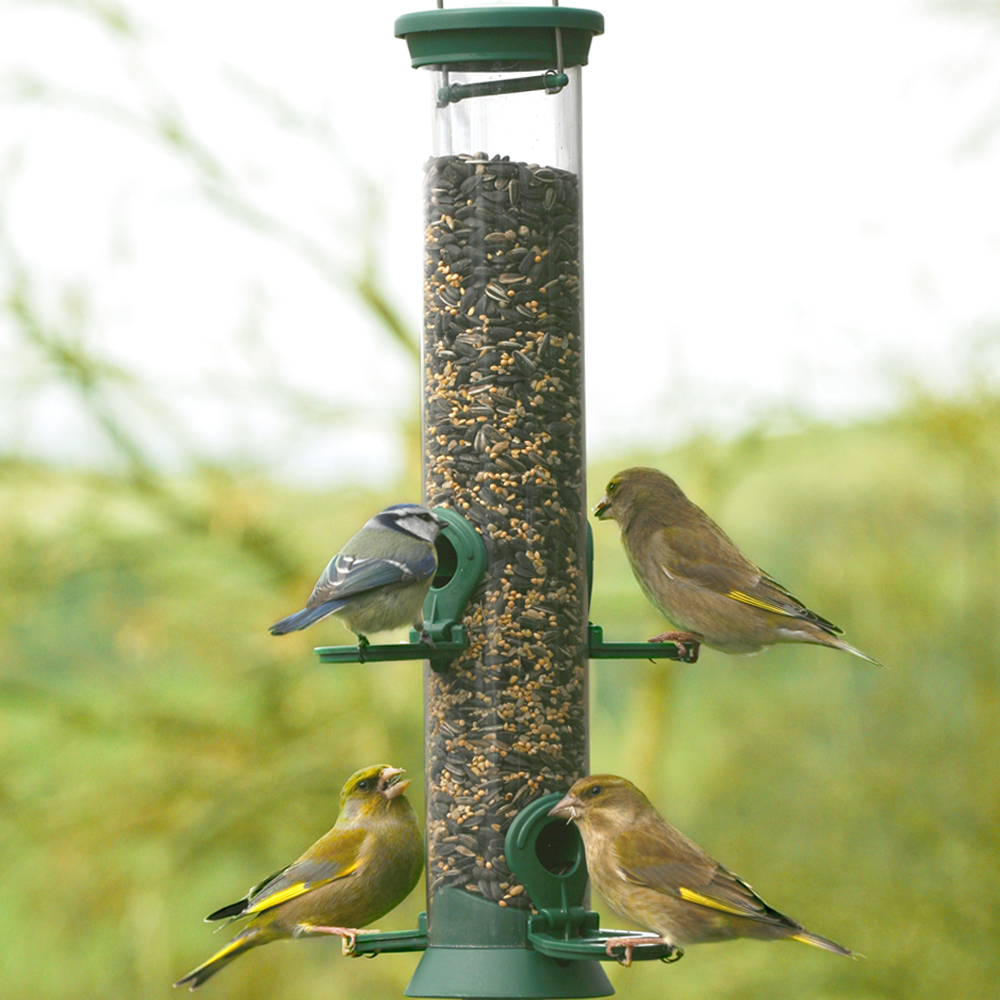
(504, 446)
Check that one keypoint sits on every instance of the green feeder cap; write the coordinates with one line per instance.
(518, 35)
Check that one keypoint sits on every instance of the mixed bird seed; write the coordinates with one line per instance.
(503, 418)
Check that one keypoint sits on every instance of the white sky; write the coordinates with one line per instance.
(785, 208)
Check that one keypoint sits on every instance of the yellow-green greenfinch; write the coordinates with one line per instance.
(697, 578)
(651, 874)
(367, 864)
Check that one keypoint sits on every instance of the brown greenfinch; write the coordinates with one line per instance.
(698, 579)
(367, 864)
(651, 874)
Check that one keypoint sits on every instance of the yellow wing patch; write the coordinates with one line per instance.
(756, 602)
(294, 891)
(714, 904)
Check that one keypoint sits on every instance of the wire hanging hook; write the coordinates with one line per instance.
(551, 81)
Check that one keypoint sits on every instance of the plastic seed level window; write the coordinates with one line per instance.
(547, 856)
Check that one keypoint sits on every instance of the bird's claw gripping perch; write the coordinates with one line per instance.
(349, 936)
(629, 943)
(688, 644)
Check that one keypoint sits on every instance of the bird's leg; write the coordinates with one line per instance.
(348, 934)
(363, 644)
(628, 943)
(688, 642)
(425, 636)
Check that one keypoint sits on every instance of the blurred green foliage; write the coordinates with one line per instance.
(160, 752)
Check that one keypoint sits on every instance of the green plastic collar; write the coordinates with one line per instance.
(521, 36)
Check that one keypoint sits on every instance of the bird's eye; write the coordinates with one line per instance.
(364, 785)
(612, 486)
(594, 790)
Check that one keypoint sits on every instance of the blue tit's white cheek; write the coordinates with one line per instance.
(418, 526)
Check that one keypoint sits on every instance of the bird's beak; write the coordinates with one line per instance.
(389, 784)
(567, 808)
(602, 508)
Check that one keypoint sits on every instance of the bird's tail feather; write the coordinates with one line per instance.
(239, 944)
(821, 942)
(232, 910)
(306, 617)
(838, 643)
(825, 638)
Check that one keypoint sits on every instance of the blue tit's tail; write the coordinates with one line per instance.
(247, 939)
(306, 617)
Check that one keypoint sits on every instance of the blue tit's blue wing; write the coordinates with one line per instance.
(347, 575)
(397, 561)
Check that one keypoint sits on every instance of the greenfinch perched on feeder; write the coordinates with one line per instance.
(651, 874)
(698, 579)
(366, 865)
(379, 579)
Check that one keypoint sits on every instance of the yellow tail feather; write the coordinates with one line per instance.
(239, 944)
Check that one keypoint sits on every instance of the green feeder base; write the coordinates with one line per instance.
(479, 949)
(504, 972)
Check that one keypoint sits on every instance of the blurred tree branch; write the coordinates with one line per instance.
(55, 348)
(74, 364)
(985, 130)
(162, 121)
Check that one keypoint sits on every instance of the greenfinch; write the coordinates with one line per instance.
(698, 579)
(366, 865)
(651, 874)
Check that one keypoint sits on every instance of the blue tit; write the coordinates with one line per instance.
(379, 579)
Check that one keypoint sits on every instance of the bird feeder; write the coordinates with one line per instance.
(506, 681)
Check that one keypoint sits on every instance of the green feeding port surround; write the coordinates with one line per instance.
(515, 37)
(461, 564)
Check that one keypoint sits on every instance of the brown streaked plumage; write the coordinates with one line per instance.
(653, 875)
(695, 576)
(357, 872)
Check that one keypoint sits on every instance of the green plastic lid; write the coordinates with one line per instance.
(522, 36)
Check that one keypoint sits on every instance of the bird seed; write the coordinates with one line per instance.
(503, 418)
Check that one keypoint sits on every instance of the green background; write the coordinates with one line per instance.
(160, 751)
